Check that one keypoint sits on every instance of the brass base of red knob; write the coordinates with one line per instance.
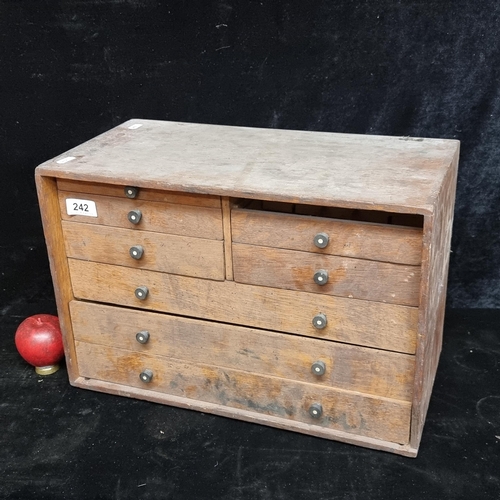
(46, 370)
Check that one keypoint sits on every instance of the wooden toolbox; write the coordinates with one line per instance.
(293, 279)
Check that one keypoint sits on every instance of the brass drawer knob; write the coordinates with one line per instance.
(141, 292)
(146, 376)
(321, 277)
(134, 216)
(318, 368)
(319, 321)
(136, 252)
(142, 337)
(131, 192)
(321, 240)
(316, 410)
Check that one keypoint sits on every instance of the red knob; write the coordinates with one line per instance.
(39, 341)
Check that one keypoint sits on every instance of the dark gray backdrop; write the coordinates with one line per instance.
(71, 70)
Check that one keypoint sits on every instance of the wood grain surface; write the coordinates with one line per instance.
(198, 200)
(354, 368)
(226, 205)
(49, 209)
(353, 278)
(436, 258)
(183, 220)
(348, 411)
(374, 324)
(162, 252)
(382, 242)
(353, 171)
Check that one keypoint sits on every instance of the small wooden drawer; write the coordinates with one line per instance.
(171, 218)
(145, 250)
(385, 326)
(361, 369)
(347, 411)
(197, 200)
(342, 276)
(362, 240)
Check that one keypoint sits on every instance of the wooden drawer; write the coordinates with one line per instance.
(354, 368)
(347, 277)
(347, 411)
(171, 218)
(161, 252)
(197, 200)
(362, 240)
(385, 326)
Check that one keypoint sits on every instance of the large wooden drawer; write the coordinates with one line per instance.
(361, 240)
(355, 368)
(385, 326)
(347, 277)
(347, 411)
(172, 218)
(156, 251)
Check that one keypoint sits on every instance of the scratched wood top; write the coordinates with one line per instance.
(373, 172)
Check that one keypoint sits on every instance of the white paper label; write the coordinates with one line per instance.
(135, 126)
(66, 159)
(75, 206)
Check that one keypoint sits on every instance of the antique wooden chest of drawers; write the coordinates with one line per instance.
(293, 279)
